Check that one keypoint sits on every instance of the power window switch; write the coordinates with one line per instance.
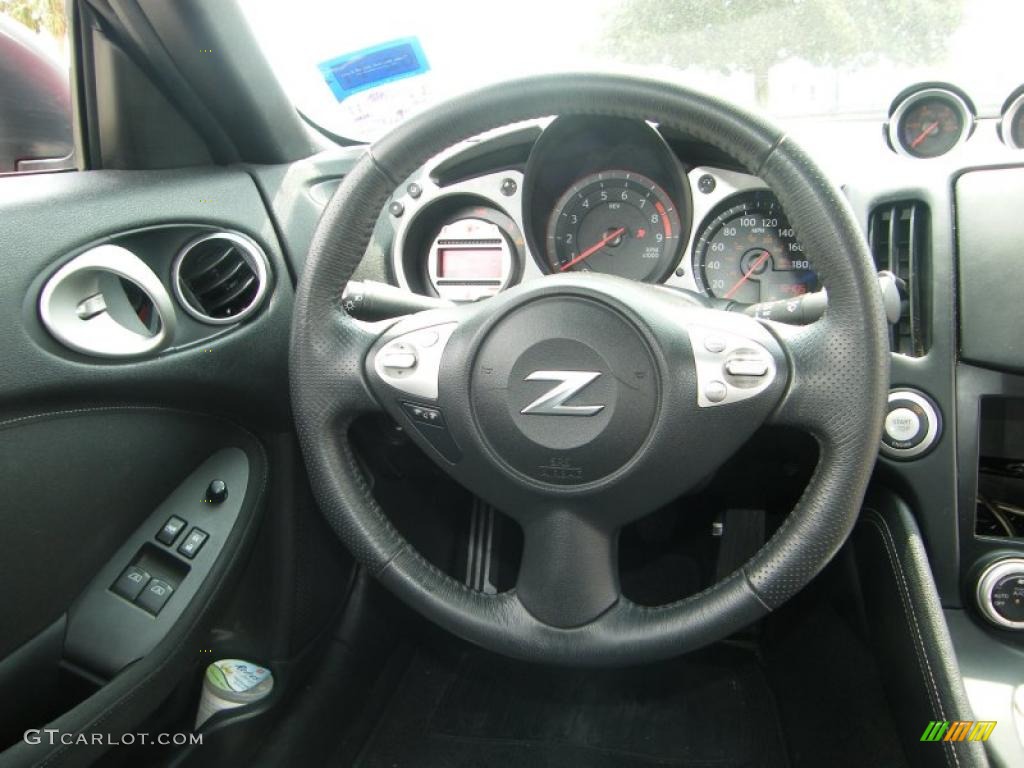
(193, 542)
(154, 596)
(130, 583)
(171, 530)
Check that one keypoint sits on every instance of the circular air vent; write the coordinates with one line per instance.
(220, 278)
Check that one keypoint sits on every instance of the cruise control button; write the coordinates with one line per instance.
(715, 391)
(171, 530)
(131, 582)
(746, 366)
(902, 424)
(193, 543)
(155, 596)
(714, 344)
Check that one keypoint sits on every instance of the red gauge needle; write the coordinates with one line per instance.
(593, 249)
(753, 268)
(928, 131)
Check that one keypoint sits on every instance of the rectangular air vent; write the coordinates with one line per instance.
(899, 237)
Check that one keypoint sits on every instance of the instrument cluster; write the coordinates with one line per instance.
(602, 195)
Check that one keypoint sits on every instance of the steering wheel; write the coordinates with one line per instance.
(579, 403)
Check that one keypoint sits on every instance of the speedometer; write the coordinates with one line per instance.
(616, 222)
(747, 253)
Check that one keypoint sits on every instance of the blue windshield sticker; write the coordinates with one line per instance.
(370, 67)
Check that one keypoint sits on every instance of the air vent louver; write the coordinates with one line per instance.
(898, 234)
(220, 278)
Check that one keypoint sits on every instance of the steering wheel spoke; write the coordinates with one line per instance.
(568, 575)
(817, 373)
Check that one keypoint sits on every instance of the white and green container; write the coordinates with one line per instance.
(231, 683)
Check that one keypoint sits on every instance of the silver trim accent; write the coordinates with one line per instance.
(966, 114)
(552, 402)
(727, 184)
(712, 367)
(991, 576)
(426, 345)
(487, 187)
(930, 436)
(71, 311)
(1006, 123)
(253, 255)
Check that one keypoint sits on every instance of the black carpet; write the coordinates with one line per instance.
(712, 708)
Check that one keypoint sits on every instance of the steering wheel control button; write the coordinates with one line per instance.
(430, 423)
(423, 414)
(131, 582)
(427, 339)
(155, 596)
(912, 425)
(746, 366)
(714, 344)
(193, 543)
(565, 390)
(716, 391)
(731, 367)
(171, 530)
(411, 362)
(1000, 593)
(399, 359)
(216, 492)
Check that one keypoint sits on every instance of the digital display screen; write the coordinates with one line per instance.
(469, 264)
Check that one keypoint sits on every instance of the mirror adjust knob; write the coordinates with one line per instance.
(216, 492)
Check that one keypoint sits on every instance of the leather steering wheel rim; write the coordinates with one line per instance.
(835, 390)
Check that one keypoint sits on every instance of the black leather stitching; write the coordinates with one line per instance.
(879, 523)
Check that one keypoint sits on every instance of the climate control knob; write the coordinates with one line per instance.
(1001, 593)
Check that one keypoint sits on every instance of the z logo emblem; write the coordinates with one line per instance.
(552, 403)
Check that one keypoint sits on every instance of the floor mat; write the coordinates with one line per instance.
(712, 708)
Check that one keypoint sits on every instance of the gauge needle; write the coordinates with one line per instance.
(753, 268)
(928, 131)
(593, 249)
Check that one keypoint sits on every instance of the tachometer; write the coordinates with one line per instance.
(747, 253)
(616, 222)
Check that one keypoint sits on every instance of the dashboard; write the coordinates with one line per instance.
(476, 220)
(597, 195)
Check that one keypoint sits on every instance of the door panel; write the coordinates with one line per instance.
(90, 447)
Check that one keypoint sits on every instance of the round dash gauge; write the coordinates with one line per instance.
(615, 222)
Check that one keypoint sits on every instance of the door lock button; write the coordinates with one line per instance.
(193, 543)
(155, 596)
(171, 530)
(131, 582)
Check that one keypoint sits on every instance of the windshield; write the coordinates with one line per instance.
(358, 69)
